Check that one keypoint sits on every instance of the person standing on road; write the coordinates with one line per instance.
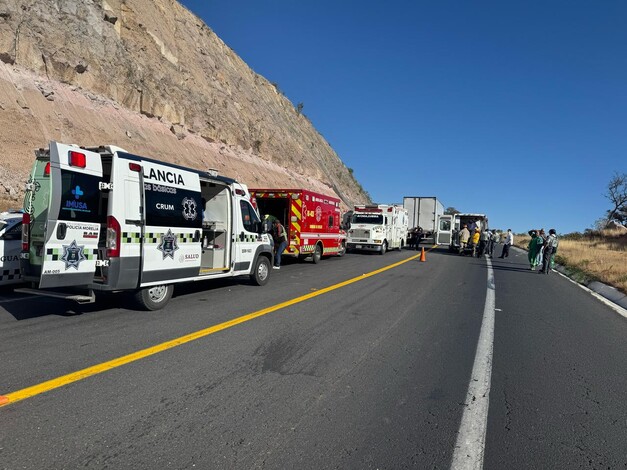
(490, 249)
(550, 248)
(464, 236)
(541, 239)
(509, 241)
(268, 227)
(484, 240)
(532, 249)
(280, 242)
(475, 241)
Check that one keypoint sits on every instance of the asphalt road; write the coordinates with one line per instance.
(371, 374)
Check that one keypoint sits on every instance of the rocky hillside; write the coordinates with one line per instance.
(150, 77)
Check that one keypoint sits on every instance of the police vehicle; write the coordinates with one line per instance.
(10, 247)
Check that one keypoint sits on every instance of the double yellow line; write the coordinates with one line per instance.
(120, 361)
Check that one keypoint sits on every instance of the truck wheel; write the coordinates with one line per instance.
(261, 273)
(155, 297)
(342, 250)
(317, 254)
(384, 248)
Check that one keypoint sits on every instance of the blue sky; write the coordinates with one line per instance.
(517, 109)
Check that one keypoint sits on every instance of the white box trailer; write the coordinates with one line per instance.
(450, 225)
(423, 212)
(102, 219)
(377, 228)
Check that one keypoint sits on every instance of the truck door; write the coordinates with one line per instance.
(74, 217)
(444, 230)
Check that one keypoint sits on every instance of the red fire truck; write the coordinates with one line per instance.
(312, 221)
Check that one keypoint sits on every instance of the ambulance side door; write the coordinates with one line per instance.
(171, 248)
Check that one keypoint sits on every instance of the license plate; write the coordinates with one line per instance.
(358, 246)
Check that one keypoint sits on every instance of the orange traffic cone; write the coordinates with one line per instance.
(423, 258)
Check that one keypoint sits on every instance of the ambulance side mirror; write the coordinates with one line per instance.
(259, 227)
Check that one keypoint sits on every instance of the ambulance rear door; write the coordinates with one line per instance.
(444, 230)
(74, 218)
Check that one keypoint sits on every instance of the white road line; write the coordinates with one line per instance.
(470, 445)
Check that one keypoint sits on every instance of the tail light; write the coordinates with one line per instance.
(78, 159)
(113, 237)
(25, 231)
(47, 169)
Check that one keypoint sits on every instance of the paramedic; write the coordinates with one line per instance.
(268, 227)
(464, 236)
(280, 242)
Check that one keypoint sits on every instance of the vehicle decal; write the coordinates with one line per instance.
(56, 254)
(73, 255)
(9, 274)
(156, 237)
(131, 237)
(296, 210)
(168, 245)
(189, 209)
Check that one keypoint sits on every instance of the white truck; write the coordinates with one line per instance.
(378, 228)
(424, 212)
(450, 225)
(102, 219)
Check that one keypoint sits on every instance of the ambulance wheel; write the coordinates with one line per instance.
(342, 250)
(317, 254)
(261, 272)
(155, 297)
(384, 248)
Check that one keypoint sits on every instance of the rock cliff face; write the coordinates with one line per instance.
(150, 77)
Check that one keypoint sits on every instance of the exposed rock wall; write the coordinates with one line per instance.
(149, 76)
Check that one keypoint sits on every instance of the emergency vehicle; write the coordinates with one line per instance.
(10, 247)
(378, 228)
(449, 226)
(102, 219)
(312, 221)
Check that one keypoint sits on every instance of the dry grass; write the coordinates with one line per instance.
(599, 256)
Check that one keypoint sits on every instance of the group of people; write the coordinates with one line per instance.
(479, 242)
(278, 237)
(542, 249)
(414, 237)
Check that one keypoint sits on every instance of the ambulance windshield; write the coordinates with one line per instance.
(359, 218)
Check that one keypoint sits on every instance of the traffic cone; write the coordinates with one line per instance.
(423, 258)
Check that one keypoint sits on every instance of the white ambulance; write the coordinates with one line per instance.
(102, 219)
(378, 228)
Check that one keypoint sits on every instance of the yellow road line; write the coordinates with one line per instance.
(120, 361)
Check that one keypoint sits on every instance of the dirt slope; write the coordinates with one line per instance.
(150, 77)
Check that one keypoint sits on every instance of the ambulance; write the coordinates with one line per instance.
(102, 219)
(312, 221)
(449, 226)
(378, 228)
